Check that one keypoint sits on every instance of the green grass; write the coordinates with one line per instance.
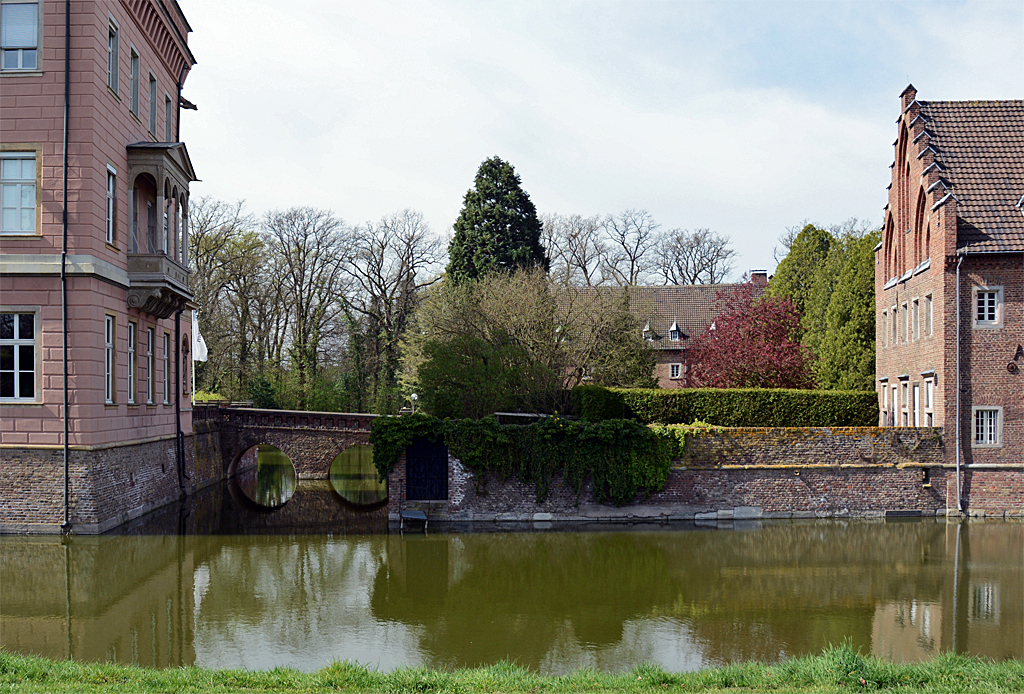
(836, 669)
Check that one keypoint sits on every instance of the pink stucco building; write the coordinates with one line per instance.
(115, 97)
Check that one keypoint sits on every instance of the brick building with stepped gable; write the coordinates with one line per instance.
(128, 312)
(949, 288)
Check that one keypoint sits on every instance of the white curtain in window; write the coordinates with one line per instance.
(20, 25)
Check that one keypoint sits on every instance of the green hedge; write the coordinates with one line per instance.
(733, 407)
(621, 458)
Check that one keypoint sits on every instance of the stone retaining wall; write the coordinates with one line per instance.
(756, 473)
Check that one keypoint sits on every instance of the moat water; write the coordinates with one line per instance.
(224, 581)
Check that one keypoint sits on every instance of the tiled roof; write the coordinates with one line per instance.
(691, 307)
(980, 145)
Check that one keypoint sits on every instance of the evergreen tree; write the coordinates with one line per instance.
(847, 348)
(794, 277)
(498, 228)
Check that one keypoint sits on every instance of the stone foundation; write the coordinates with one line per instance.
(110, 485)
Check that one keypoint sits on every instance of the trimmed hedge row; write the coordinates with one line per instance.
(732, 407)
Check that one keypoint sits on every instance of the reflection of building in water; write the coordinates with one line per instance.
(973, 614)
(126, 602)
(906, 631)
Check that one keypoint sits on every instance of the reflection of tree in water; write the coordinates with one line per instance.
(784, 590)
(292, 591)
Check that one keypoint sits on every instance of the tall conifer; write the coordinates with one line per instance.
(498, 228)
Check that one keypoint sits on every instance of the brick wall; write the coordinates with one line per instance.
(755, 473)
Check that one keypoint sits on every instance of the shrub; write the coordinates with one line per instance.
(733, 407)
(621, 458)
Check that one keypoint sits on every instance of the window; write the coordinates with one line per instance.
(883, 330)
(19, 35)
(675, 370)
(18, 183)
(167, 369)
(152, 104)
(111, 203)
(917, 404)
(929, 402)
(926, 328)
(17, 356)
(108, 359)
(150, 363)
(904, 404)
(917, 319)
(885, 402)
(112, 40)
(132, 333)
(133, 102)
(892, 412)
(987, 426)
(988, 307)
(168, 119)
(895, 325)
(904, 316)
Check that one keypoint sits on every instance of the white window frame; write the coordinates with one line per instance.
(895, 406)
(928, 396)
(675, 371)
(894, 315)
(21, 186)
(986, 427)
(134, 69)
(150, 363)
(111, 220)
(993, 309)
(152, 104)
(915, 319)
(109, 364)
(133, 331)
(904, 403)
(904, 323)
(113, 56)
(167, 368)
(885, 329)
(915, 404)
(20, 50)
(17, 342)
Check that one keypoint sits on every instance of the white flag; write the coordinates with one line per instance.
(199, 352)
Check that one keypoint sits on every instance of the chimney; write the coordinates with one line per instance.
(907, 97)
(759, 278)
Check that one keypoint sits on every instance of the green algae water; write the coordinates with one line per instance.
(218, 584)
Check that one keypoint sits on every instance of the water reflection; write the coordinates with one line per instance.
(354, 477)
(266, 476)
(553, 601)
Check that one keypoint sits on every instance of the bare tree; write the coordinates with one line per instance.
(392, 261)
(694, 257)
(313, 246)
(576, 248)
(631, 241)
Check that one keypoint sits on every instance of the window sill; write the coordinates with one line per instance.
(21, 73)
(21, 235)
(114, 94)
(112, 247)
(987, 326)
(110, 405)
(983, 446)
(20, 403)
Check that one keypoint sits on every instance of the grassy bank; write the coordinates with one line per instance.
(837, 669)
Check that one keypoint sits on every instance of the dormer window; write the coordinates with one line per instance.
(673, 332)
(647, 333)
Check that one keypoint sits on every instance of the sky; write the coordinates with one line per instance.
(743, 117)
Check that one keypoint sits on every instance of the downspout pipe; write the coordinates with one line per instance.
(180, 438)
(66, 525)
(959, 494)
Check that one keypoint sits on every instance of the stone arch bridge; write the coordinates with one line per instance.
(311, 440)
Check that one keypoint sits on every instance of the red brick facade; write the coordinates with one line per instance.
(954, 212)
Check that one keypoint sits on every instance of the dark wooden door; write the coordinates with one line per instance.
(426, 471)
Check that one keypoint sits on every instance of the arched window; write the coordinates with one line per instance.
(920, 248)
(143, 231)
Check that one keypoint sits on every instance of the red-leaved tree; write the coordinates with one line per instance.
(755, 343)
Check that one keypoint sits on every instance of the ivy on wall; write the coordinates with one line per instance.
(620, 457)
